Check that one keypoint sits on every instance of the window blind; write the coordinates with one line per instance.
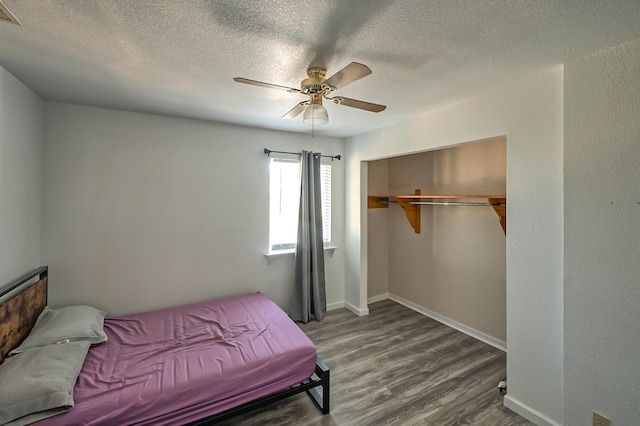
(284, 201)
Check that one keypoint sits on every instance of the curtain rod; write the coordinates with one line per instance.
(268, 153)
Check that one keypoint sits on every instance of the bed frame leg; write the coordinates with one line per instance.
(310, 386)
(321, 400)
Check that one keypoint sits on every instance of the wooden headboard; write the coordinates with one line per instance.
(20, 312)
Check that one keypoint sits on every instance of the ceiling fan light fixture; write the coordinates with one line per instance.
(315, 114)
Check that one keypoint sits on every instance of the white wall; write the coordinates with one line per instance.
(145, 211)
(21, 151)
(378, 242)
(602, 236)
(530, 115)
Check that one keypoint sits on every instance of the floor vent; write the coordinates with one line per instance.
(7, 16)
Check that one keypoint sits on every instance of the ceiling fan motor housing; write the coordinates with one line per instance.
(313, 84)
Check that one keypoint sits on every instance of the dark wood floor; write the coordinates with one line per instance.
(397, 367)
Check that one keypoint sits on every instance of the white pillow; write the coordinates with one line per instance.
(69, 324)
(38, 383)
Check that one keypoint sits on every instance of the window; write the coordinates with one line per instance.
(284, 201)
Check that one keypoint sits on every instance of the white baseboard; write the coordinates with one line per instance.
(378, 298)
(498, 344)
(334, 306)
(359, 312)
(527, 412)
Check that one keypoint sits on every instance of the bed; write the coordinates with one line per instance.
(194, 364)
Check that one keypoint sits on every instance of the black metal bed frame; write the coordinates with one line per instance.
(310, 386)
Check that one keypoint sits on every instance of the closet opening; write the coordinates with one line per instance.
(454, 268)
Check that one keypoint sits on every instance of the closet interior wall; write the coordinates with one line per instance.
(456, 266)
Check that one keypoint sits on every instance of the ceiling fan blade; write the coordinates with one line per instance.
(267, 85)
(354, 103)
(352, 72)
(296, 110)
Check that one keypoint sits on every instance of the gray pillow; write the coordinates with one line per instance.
(68, 324)
(38, 383)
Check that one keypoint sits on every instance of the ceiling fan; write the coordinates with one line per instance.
(317, 87)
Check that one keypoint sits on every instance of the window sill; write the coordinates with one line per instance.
(292, 252)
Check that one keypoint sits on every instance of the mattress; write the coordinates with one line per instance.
(177, 365)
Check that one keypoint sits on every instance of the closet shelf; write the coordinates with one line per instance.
(411, 204)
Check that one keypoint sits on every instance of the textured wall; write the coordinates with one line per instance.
(602, 236)
(21, 153)
(145, 211)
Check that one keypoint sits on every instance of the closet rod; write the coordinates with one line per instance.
(268, 153)
(443, 203)
(452, 203)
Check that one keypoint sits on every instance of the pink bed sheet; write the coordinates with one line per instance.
(177, 365)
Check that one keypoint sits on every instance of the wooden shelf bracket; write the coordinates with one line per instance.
(412, 211)
(499, 205)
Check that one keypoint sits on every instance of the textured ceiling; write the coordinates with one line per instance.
(179, 57)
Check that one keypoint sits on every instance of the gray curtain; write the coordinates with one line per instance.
(309, 298)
